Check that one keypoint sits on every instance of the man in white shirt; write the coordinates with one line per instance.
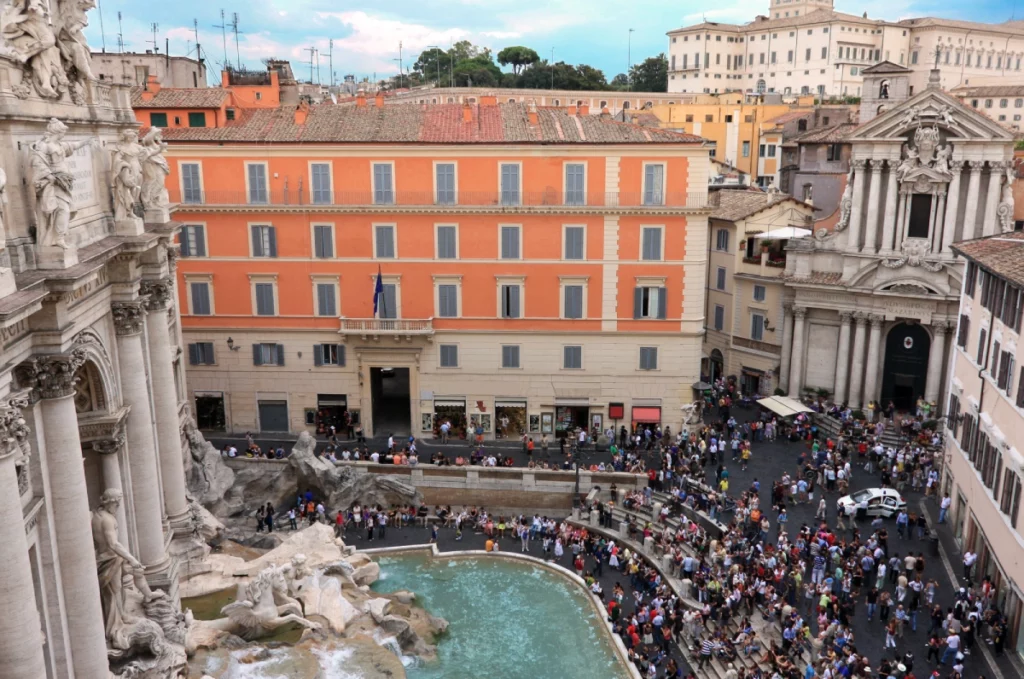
(969, 559)
(944, 507)
(952, 647)
(375, 457)
(391, 444)
(232, 452)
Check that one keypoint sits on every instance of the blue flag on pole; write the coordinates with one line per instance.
(378, 292)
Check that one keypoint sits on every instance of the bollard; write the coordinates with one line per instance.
(621, 492)
(595, 516)
(576, 513)
(649, 544)
(623, 528)
(656, 511)
(666, 562)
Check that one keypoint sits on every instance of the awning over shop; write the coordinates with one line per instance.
(647, 414)
(785, 233)
(582, 402)
(784, 406)
(498, 403)
(458, 403)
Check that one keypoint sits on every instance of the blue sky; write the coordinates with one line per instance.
(366, 34)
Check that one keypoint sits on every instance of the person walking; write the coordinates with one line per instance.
(260, 519)
(369, 526)
(269, 518)
(292, 523)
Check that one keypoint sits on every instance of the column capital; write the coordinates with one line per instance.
(997, 165)
(845, 316)
(876, 319)
(860, 316)
(955, 166)
(976, 166)
(876, 164)
(172, 257)
(51, 375)
(158, 292)
(943, 327)
(799, 311)
(111, 445)
(859, 164)
(13, 429)
(129, 317)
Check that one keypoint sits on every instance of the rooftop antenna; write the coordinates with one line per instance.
(318, 66)
(103, 35)
(234, 27)
(120, 34)
(311, 50)
(223, 26)
(330, 59)
(154, 27)
(195, 29)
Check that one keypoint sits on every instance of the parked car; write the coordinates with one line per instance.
(884, 502)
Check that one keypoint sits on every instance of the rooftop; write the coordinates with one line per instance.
(763, 23)
(431, 124)
(734, 205)
(833, 134)
(1002, 254)
(988, 91)
(179, 97)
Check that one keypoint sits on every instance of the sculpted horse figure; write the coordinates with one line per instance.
(262, 607)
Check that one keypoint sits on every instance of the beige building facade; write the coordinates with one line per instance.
(135, 69)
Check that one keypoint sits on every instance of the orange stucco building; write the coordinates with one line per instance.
(540, 269)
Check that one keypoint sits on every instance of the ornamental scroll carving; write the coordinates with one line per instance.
(129, 317)
(52, 375)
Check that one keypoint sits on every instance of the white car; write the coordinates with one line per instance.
(873, 502)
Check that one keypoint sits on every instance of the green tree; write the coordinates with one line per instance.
(650, 75)
(518, 57)
(620, 82)
(478, 71)
(433, 65)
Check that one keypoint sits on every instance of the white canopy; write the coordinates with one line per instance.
(784, 405)
(785, 233)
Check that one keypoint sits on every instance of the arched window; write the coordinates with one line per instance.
(883, 89)
(762, 86)
(625, 105)
(556, 102)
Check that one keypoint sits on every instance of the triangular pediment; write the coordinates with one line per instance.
(885, 68)
(932, 107)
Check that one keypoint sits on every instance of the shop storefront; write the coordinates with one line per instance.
(210, 411)
(571, 415)
(646, 416)
(330, 412)
(510, 418)
(752, 382)
(453, 411)
(1009, 600)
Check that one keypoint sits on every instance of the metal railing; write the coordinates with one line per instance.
(375, 326)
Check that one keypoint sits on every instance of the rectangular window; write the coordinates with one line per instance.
(573, 301)
(981, 347)
(757, 327)
(654, 185)
(510, 184)
(158, 120)
(746, 149)
(648, 358)
(720, 278)
(267, 354)
(649, 302)
(447, 237)
(449, 355)
(510, 242)
(264, 240)
(771, 150)
(1020, 389)
(320, 192)
(572, 357)
(200, 299)
(444, 176)
(574, 242)
(719, 317)
(326, 299)
(191, 185)
(388, 306)
(201, 353)
(197, 119)
(193, 240)
(329, 354)
(383, 184)
(834, 152)
(323, 241)
(510, 356)
(448, 301)
(257, 177)
(385, 241)
(913, 57)
(651, 243)
(264, 299)
(575, 189)
(510, 301)
(722, 240)
(759, 293)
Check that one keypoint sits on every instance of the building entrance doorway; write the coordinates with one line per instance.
(906, 365)
(389, 389)
(210, 411)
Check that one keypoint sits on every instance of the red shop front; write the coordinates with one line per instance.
(646, 415)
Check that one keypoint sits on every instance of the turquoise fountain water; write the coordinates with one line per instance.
(508, 619)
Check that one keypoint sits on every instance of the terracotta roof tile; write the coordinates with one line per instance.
(818, 278)
(989, 91)
(736, 204)
(826, 135)
(174, 97)
(1002, 254)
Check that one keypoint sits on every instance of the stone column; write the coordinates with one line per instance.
(901, 218)
(874, 196)
(857, 362)
(892, 197)
(971, 210)
(165, 402)
(936, 361)
(787, 347)
(108, 450)
(873, 360)
(21, 641)
(843, 358)
(796, 362)
(52, 378)
(856, 216)
(952, 205)
(937, 224)
(142, 458)
(990, 224)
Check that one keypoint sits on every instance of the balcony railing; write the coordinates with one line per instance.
(428, 200)
(387, 326)
(757, 345)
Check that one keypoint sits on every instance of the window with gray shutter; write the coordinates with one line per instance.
(267, 354)
(654, 179)
(321, 189)
(445, 177)
(510, 356)
(193, 240)
(574, 242)
(510, 301)
(722, 240)
(510, 184)
(264, 241)
(326, 301)
(510, 242)
(383, 187)
(719, 317)
(257, 183)
(264, 299)
(385, 241)
(757, 327)
(448, 301)
(389, 308)
(720, 278)
(575, 190)
(200, 299)
(649, 302)
(446, 242)
(200, 353)
(328, 354)
(574, 301)
(192, 188)
(449, 355)
(651, 246)
(323, 241)
(648, 358)
(759, 293)
(572, 357)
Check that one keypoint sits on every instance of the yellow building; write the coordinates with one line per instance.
(748, 231)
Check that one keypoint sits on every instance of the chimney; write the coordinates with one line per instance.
(361, 97)
(489, 99)
(225, 79)
(531, 112)
(583, 110)
(467, 113)
(378, 101)
(301, 113)
(605, 113)
(152, 83)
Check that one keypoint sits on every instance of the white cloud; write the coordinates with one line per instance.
(379, 36)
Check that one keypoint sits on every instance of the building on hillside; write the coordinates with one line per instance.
(726, 176)
(815, 165)
(748, 232)
(984, 462)
(137, 68)
(1002, 103)
(807, 47)
(539, 270)
(873, 299)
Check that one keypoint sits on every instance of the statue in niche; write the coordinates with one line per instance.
(25, 26)
(1004, 211)
(154, 170)
(126, 169)
(53, 183)
(846, 202)
(910, 162)
(942, 158)
(926, 140)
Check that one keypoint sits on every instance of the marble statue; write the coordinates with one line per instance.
(71, 41)
(942, 157)
(3, 209)
(912, 160)
(53, 184)
(1004, 211)
(26, 27)
(126, 171)
(154, 171)
(693, 412)
(262, 607)
(846, 202)
(914, 252)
